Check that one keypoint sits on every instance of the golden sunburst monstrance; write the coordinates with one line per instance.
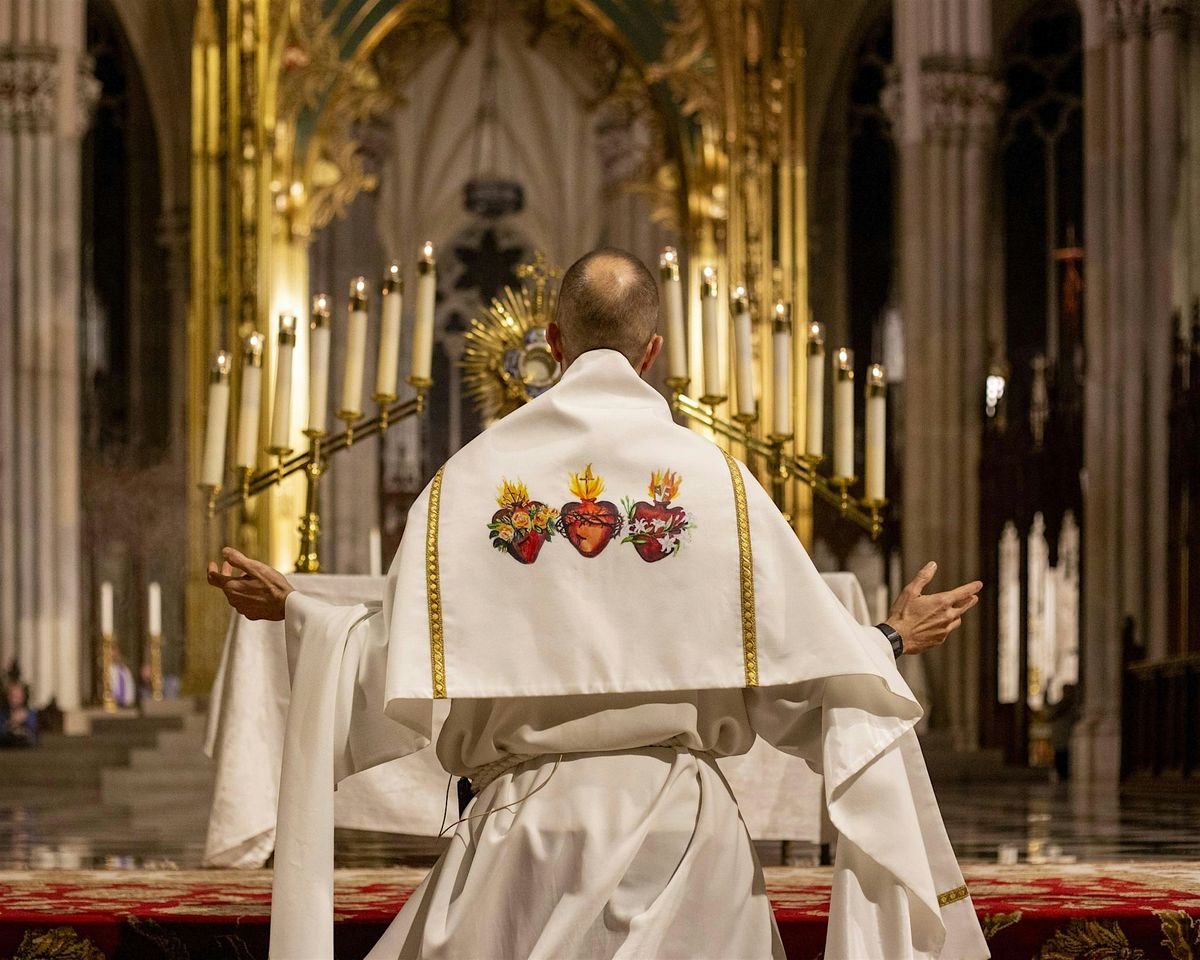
(506, 361)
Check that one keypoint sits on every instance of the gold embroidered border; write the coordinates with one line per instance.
(953, 896)
(433, 588)
(746, 574)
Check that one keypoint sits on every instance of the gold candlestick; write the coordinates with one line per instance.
(106, 665)
(156, 674)
(309, 560)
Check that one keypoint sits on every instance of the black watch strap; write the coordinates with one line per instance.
(893, 638)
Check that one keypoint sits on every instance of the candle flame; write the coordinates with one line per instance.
(815, 330)
(223, 364)
(358, 287)
(876, 375)
(709, 273)
(394, 270)
(287, 322)
(739, 292)
(321, 303)
(427, 251)
(668, 256)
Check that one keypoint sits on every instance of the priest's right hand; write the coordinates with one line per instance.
(925, 620)
(259, 592)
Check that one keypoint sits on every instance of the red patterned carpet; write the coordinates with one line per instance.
(1131, 911)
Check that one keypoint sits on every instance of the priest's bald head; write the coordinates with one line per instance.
(607, 300)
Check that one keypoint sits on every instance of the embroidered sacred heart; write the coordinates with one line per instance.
(589, 524)
(656, 529)
(521, 526)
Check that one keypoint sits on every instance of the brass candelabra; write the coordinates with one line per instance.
(784, 467)
(314, 462)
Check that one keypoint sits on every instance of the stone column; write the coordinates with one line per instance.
(44, 97)
(945, 102)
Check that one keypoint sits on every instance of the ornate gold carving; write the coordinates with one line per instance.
(745, 573)
(953, 896)
(433, 588)
(506, 361)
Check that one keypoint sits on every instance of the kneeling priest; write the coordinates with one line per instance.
(610, 602)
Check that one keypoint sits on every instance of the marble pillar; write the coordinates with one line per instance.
(1133, 131)
(944, 103)
(45, 94)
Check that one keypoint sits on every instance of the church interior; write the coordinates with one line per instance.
(930, 268)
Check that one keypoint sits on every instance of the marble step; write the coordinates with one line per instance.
(183, 741)
(151, 785)
(190, 754)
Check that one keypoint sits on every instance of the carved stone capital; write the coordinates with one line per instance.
(960, 102)
(1124, 18)
(28, 88)
(1170, 15)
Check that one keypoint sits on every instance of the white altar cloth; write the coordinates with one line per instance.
(780, 798)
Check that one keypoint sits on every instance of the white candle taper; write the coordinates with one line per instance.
(422, 347)
(106, 609)
(876, 452)
(250, 402)
(814, 434)
(319, 334)
(154, 596)
(281, 413)
(781, 369)
(376, 558)
(743, 344)
(389, 334)
(843, 413)
(672, 300)
(212, 469)
(356, 352)
(714, 382)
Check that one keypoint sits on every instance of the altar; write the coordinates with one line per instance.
(780, 797)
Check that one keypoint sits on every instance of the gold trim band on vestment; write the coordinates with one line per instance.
(953, 896)
(745, 574)
(433, 588)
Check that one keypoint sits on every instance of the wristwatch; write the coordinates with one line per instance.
(893, 638)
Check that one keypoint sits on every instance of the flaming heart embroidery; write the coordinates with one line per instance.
(657, 529)
(521, 525)
(589, 523)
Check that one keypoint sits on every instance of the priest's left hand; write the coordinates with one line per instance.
(259, 592)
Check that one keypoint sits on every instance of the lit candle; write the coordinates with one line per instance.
(281, 414)
(422, 355)
(250, 403)
(814, 443)
(672, 292)
(356, 352)
(714, 386)
(318, 366)
(781, 367)
(876, 432)
(843, 413)
(376, 558)
(212, 471)
(743, 344)
(106, 609)
(389, 335)
(155, 618)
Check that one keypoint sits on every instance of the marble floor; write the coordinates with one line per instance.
(989, 822)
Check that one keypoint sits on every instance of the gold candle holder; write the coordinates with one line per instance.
(309, 560)
(106, 664)
(156, 673)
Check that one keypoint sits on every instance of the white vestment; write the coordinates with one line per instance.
(594, 678)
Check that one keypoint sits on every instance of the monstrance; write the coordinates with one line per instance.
(507, 361)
